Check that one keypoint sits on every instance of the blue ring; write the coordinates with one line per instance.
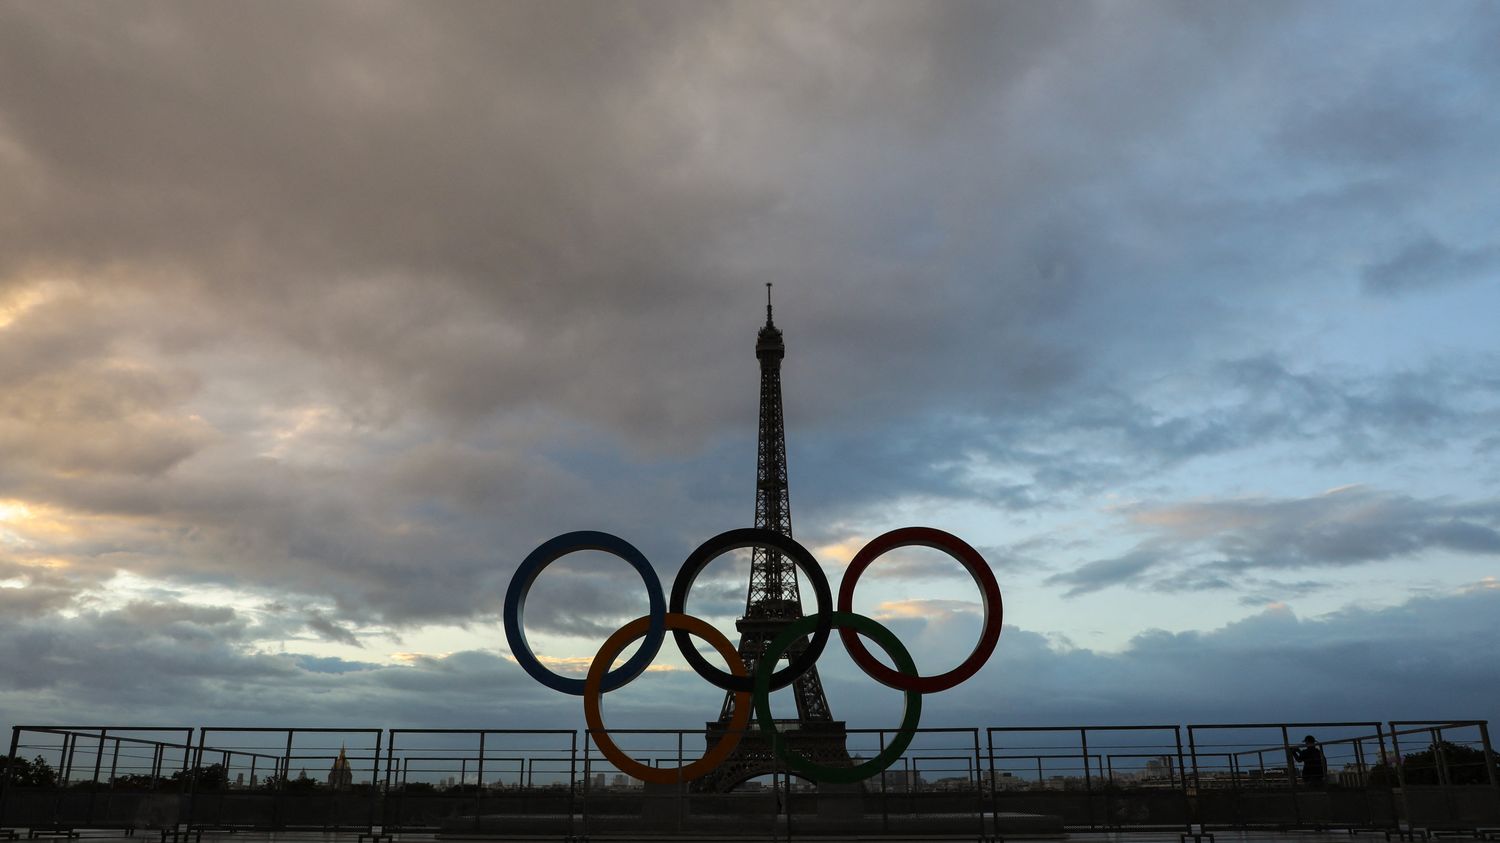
(549, 552)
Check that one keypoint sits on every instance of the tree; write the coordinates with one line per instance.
(1465, 765)
(301, 784)
(212, 777)
(34, 773)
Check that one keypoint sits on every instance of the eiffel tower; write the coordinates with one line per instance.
(773, 602)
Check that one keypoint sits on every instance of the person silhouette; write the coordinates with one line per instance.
(1314, 765)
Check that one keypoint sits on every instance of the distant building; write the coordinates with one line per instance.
(1161, 767)
(621, 780)
(1006, 781)
(902, 781)
(1354, 775)
(340, 776)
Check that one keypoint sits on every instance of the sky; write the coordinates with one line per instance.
(316, 318)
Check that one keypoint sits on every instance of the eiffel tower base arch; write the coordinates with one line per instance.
(822, 742)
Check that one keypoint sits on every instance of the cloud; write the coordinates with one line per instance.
(1355, 663)
(1214, 544)
(339, 180)
(354, 328)
(1485, 584)
(331, 631)
(1347, 526)
(1102, 573)
(35, 601)
(929, 609)
(915, 564)
(290, 220)
(1427, 262)
(332, 664)
(1266, 592)
(579, 665)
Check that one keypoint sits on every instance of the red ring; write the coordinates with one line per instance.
(989, 591)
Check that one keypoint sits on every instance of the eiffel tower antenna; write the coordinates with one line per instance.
(773, 600)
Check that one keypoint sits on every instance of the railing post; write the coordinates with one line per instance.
(1489, 753)
(572, 778)
(1400, 775)
(994, 782)
(388, 802)
(94, 783)
(197, 759)
(10, 762)
(1088, 778)
(978, 788)
(1193, 753)
(1234, 783)
(885, 812)
(1194, 815)
(479, 784)
(375, 789)
(65, 772)
(786, 797)
(1291, 770)
(282, 781)
(588, 774)
(1364, 779)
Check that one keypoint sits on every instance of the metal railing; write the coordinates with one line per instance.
(1396, 776)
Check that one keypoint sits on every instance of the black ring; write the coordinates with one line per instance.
(734, 540)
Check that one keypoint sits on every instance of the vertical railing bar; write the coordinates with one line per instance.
(994, 784)
(572, 779)
(10, 763)
(479, 785)
(1291, 769)
(1088, 779)
(978, 788)
(1489, 753)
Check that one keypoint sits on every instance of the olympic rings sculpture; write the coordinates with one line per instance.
(751, 692)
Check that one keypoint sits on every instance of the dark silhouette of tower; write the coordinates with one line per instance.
(774, 601)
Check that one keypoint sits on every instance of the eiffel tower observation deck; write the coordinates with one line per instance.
(773, 601)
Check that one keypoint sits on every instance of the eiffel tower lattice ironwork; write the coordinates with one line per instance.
(774, 601)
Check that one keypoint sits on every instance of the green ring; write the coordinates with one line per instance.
(893, 647)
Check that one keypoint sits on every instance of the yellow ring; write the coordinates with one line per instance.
(592, 698)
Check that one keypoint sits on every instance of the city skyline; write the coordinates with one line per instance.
(314, 320)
